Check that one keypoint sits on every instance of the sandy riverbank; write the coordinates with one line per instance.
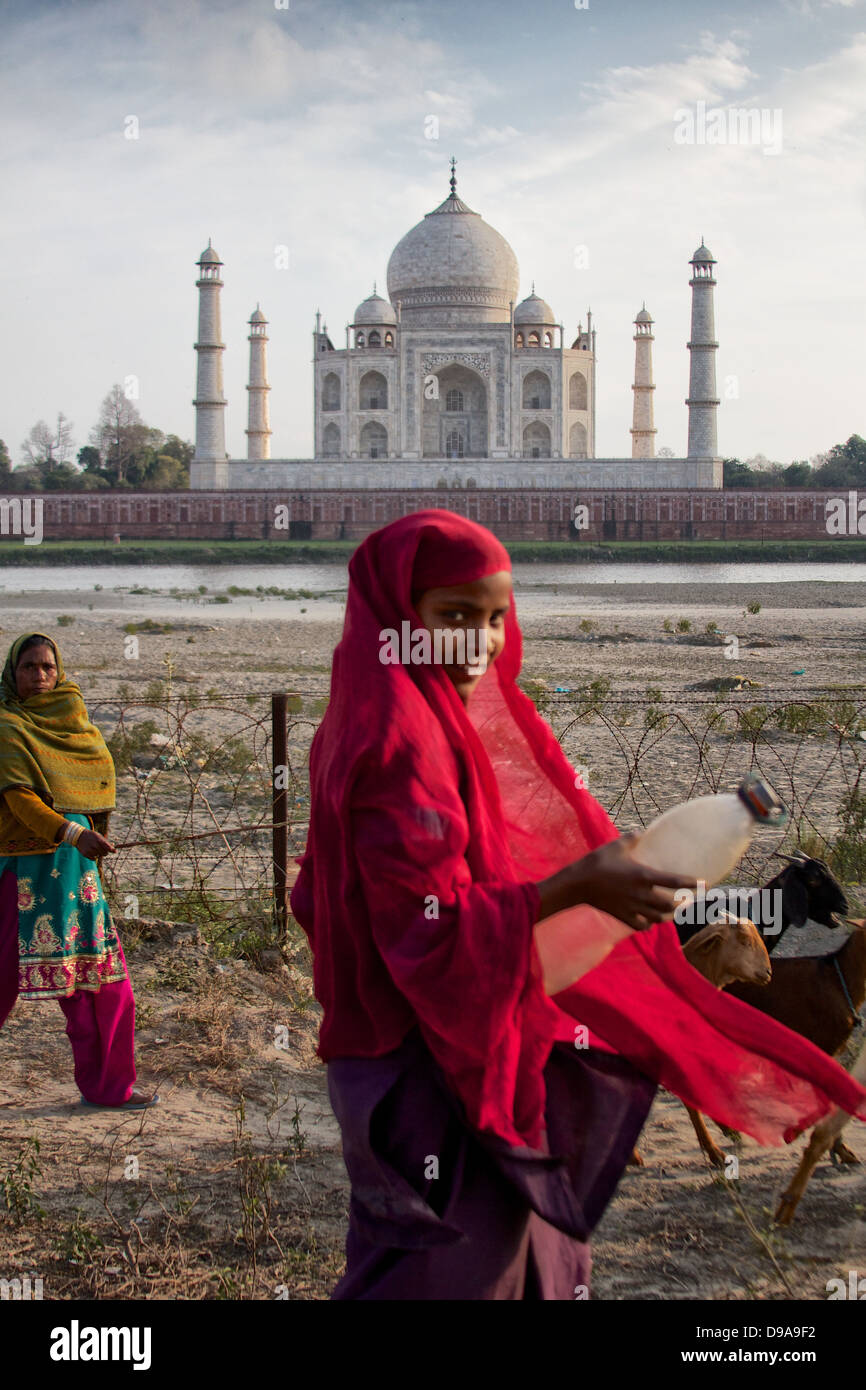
(206, 1029)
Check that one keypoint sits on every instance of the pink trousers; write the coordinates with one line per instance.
(100, 1024)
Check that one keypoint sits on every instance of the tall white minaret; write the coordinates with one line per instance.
(210, 403)
(642, 431)
(702, 401)
(259, 430)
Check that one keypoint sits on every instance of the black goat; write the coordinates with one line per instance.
(809, 891)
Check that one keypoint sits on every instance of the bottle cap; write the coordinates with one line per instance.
(762, 801)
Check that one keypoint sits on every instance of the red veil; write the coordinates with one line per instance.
(430, 824)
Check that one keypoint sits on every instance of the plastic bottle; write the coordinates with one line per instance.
(706, 837)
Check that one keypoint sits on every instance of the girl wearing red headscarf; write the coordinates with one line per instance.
(498, 1005)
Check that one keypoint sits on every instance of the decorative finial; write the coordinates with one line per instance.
(453, 177)
(209, 246)
(374, 286)
(533, 287)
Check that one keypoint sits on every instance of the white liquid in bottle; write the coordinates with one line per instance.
(705, 838)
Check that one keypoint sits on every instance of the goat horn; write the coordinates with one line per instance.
(791, 858)
(856, 921)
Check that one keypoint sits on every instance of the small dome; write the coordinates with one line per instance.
(375, 309)
(704, 253)
(534, 310)
(209, 256)
(257, 316)
(643, 315)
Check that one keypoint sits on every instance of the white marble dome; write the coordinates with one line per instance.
(453, 268)
(534, 310)
(374, 309)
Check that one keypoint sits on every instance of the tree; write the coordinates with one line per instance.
(48, 446)
(798, 474)
(664, 453)
(62, 478)
(120, 435)
(89, 459)
(853, 449)
(180, 449)
(736, 474)
(167, 474)
(844, 465)
(5, 464)
(759, 463)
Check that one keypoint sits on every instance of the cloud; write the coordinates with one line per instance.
(263, 127)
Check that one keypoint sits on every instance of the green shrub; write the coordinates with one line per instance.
(752, 720)
(17, 1183)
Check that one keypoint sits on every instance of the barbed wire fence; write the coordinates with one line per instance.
(213, 790)
(196, 793)
(641, 754)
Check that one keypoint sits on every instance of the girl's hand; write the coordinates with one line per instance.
(91, 844)
(613, 881)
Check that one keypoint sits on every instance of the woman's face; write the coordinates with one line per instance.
(478, 607)
(36, 671)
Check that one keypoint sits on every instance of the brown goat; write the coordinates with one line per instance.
(807, 995)
(727, 950)
(823, 1136)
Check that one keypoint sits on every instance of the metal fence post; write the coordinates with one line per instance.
(280, 820)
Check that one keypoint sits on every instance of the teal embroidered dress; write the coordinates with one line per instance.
(66, 938)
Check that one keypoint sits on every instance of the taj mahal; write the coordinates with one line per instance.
(451, 382)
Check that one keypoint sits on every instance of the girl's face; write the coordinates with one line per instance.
(478, 607)
(36, 672)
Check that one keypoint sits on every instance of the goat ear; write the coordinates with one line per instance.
(795, 901)
(712, 937)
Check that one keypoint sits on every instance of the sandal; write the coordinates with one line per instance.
(136, 1101)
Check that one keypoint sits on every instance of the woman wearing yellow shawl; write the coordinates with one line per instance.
(57, 940)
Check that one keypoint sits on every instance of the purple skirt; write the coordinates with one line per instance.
(440, 1211)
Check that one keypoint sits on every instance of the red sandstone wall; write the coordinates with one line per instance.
(519, 515)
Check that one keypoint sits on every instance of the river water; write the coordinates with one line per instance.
(163, 591)
(332, 579)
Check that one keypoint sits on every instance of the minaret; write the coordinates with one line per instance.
(591, 332)
(643, 431)
(259, 431)
(210, 403)
(702, 399)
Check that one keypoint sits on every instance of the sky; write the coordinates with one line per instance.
(307, 124)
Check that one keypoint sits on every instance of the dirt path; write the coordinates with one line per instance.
(194, 1200)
